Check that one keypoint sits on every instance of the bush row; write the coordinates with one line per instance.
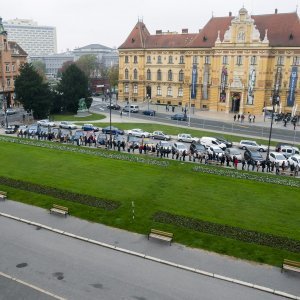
(84, 150)
(60, 194)
(249, 176)
(227, 231)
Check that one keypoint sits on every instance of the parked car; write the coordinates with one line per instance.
(114, 106)
(46, 123)
(179, 117)
(231, 152)
(138, 132)
(215, 150)
(159, 135)
(101, 139)
(253, 156)
(149, 112)
(32, 129)
(67, 125)
(211, 141)
(294, 160)
(280, 145)
(222, 140)
(113, 130)
(185, 137)
(277, 157)
(180, 147)
(132, 108)
(252, 145)
(77, 135)
(197, 148)
(11, 129)
(90, 127)
(167, 146)
(288, 151)
(133, 141)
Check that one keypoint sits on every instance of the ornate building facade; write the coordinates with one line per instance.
(234, 64)
(12, 56)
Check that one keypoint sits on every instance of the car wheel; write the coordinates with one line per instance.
(143, 136)
(180, 140)
(244, 148)
(261, 150)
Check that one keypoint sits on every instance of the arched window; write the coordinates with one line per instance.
(135, 74)
(181, 75)
(159, 75)
(148, 74)
(126, 74)
(170, 75)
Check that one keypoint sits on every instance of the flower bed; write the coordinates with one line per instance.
(98, 152)
(249, 176)
(227, 231)
(60, 194)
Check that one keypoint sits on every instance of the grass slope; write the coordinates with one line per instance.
(177, 189)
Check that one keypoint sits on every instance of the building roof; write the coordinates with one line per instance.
(283, 31)
(17, 50)
(93, 47)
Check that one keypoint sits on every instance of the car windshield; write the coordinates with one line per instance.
(234, 151)
(181, 147)
(280, 157)
(256, 155)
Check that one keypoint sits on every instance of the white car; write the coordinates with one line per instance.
(180, 147)
(185, 137)
(294, 160)
(278, 157)
(212, 141)
(215, 150)
(288, 151)
(252, 145)
(67, 125)
(46, 123)
(159, 135)
(138, 133)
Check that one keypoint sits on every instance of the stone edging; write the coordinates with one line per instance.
(141, 255)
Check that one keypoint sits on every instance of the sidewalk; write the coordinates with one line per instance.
(255, 273)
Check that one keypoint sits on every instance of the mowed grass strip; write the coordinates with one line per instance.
(262, 207)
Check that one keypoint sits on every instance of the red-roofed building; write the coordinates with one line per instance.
(238, 64)
(12, 56)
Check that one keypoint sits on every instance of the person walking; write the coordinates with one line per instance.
(234, 118)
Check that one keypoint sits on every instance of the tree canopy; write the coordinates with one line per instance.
(88, 64)
(32, 92)
(72, 87)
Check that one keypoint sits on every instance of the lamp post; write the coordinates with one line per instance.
(275, 101)
(189, 123)
(4, 101)
(110, 137)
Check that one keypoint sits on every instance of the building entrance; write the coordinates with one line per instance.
(235, 102)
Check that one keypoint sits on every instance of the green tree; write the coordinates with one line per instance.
(72, 87)
(88, 64)
(32, 92)
(40, 67)
(113, 76)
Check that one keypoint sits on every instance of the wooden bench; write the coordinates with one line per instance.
(3, 195)
(59, 209)
(161, 235)
(290, 265)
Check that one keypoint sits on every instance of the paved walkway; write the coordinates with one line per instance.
(262, 275)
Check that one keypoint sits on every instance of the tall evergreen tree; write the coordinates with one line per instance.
(32, 92)
(72, 87)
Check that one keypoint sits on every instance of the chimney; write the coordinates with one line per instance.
(159, 31)
(185, 30)
(230, 14)
(276, 11)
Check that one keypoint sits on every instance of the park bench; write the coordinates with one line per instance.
(161, 235)
(290, 265)
(3, 195)
(59, 209)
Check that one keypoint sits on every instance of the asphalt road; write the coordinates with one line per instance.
(238, 128)
(73, 269)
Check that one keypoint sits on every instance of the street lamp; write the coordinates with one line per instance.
(275, 101)
(4, 101)
(110, 137)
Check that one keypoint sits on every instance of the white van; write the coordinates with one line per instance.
(288, 151)
(133, 108)
(211, 141)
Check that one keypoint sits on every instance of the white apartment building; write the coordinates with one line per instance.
(34, 39)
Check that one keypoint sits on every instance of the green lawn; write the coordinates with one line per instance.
(72, 117)
(263, 207)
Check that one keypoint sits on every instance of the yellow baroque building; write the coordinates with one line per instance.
(234, 64)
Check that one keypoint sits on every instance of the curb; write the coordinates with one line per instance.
(148, 257)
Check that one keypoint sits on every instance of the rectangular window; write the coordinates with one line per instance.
(170, 59)
(135, 60)
(13, 68)
(207, 60)
(158, 91)
(253, 60)
(159, 59)
(126, 88)
(126, 59)
(225, 60)
(8, 81)
(181, 59)
(148, 59)
(169, 91)
(135, 89)
(180, 92)
(195, 60)
(239, 60)
(7, 69)
(280, 60)
(296, 60)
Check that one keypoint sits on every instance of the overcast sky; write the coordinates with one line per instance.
(82, 22)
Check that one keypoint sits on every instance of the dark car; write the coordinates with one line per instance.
(78, 134)
(134, 142)
(197, 148)
(179, 117)
(149, 112)
(253, 156)
(114, 106)
(113, 130)
(102, 138)
(221, 139)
